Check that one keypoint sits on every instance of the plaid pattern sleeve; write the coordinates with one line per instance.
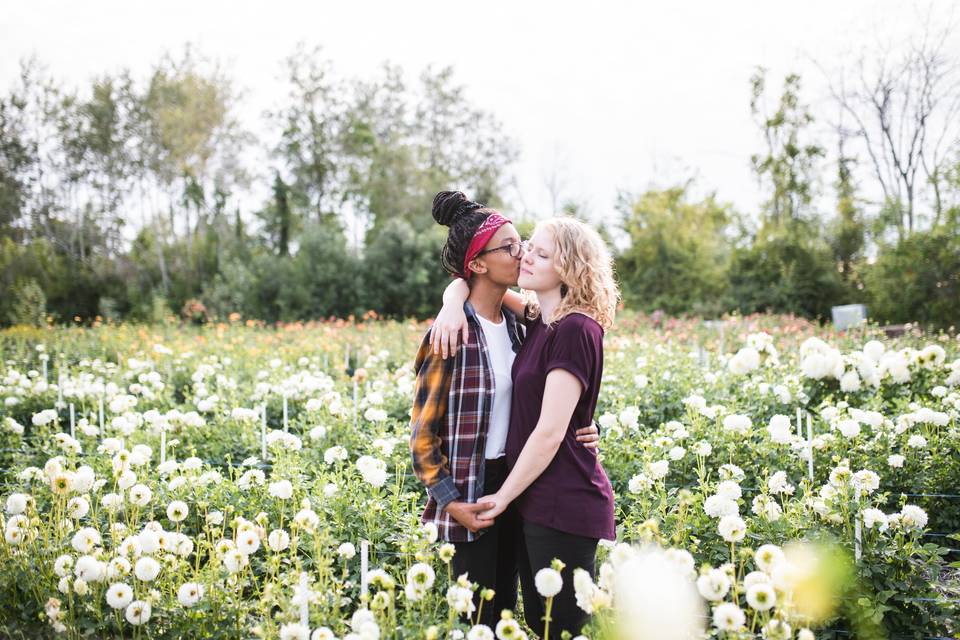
(428, 420)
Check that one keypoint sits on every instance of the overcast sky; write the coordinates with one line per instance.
(609, 95)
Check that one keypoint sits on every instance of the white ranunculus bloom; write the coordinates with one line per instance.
(732, 528)
(138, 612)
(728, 617)
(714, 585)
(761, 597)
(177, 511)
(190, 594)
(548, 582)
(119, 595)
(278, 540)
(281, 489)
(146, 569)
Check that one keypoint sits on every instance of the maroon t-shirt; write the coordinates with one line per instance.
(573, 493)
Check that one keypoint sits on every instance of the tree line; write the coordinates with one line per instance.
(127, 198)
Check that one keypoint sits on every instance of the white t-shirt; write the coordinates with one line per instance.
(501, 358)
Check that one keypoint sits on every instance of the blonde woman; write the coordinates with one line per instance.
(559, 489)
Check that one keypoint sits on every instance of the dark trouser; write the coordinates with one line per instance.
(540, 546)
(491, 559)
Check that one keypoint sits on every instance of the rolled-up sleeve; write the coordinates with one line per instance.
(428, 422)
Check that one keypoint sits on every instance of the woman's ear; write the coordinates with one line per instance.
(477, 266)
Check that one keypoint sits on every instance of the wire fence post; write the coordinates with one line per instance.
(364, 566)
(304, 600)
(263, 431)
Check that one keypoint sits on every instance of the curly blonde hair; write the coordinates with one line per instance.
(585, 266)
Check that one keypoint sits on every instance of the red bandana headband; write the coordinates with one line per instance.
(480, 239)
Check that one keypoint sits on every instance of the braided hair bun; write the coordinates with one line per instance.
(449, 205)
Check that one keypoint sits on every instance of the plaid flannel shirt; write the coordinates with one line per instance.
(453, 399)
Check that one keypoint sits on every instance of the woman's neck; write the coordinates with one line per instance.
(548, 300)
(487, 298)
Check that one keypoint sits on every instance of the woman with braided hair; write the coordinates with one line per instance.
(462, 404)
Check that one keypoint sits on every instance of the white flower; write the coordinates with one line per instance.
(729, 490)
(677, 453)
(77, 507)
(737, 423)
(146, 569)
(346, 550)
(177, 511)
(806, 634)
(335, 454)
(119, 595)
(548, 582)
(422, 575)
(768, 556)
(234, 560)
(895, 460)
(294, 631)
(508, 629)
(190, 593)
(875, 518)
(719, 506)
(702, 448)
(849, 428)
(913, 516)
(778, 483)
(89, 569)
(16, 504)
(713, 585)
(138, 612)
(248, 542)
(744, 361)
(278, 540)
(140, 495)
(780, 429)
(85, 539)
(658, 470)
(282, 489)
(460, 599)
(639, 483)
(728, 617)
(732, 528)
(917, 442)
(761, 597)
(322, 633)
(850, 382)
(373, 470)
(480, 632)
(866, 481)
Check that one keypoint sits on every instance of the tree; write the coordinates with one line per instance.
(788, 164)
(679, 251)
(904, 102)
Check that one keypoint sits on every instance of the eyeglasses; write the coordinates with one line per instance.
(515, 249)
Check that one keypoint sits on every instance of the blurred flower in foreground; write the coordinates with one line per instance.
(657, 599)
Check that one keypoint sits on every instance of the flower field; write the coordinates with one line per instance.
(236, 480)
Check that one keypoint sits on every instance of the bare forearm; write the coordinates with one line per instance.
(535, 457)
(456, 293)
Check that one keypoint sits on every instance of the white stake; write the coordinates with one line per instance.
(364, 560)
(263, 431)
(326, 362)
(163, 446)
(857, 539)
(44, 363)
(346, 357)
(101, 417)
(356, 395)
(286, 426)
(810, 446)
(59, 388)
(304, 612)
(73, 429)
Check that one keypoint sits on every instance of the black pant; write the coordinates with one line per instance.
(540, 546)
(491, 559)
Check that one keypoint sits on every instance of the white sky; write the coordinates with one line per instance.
(613, 95)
